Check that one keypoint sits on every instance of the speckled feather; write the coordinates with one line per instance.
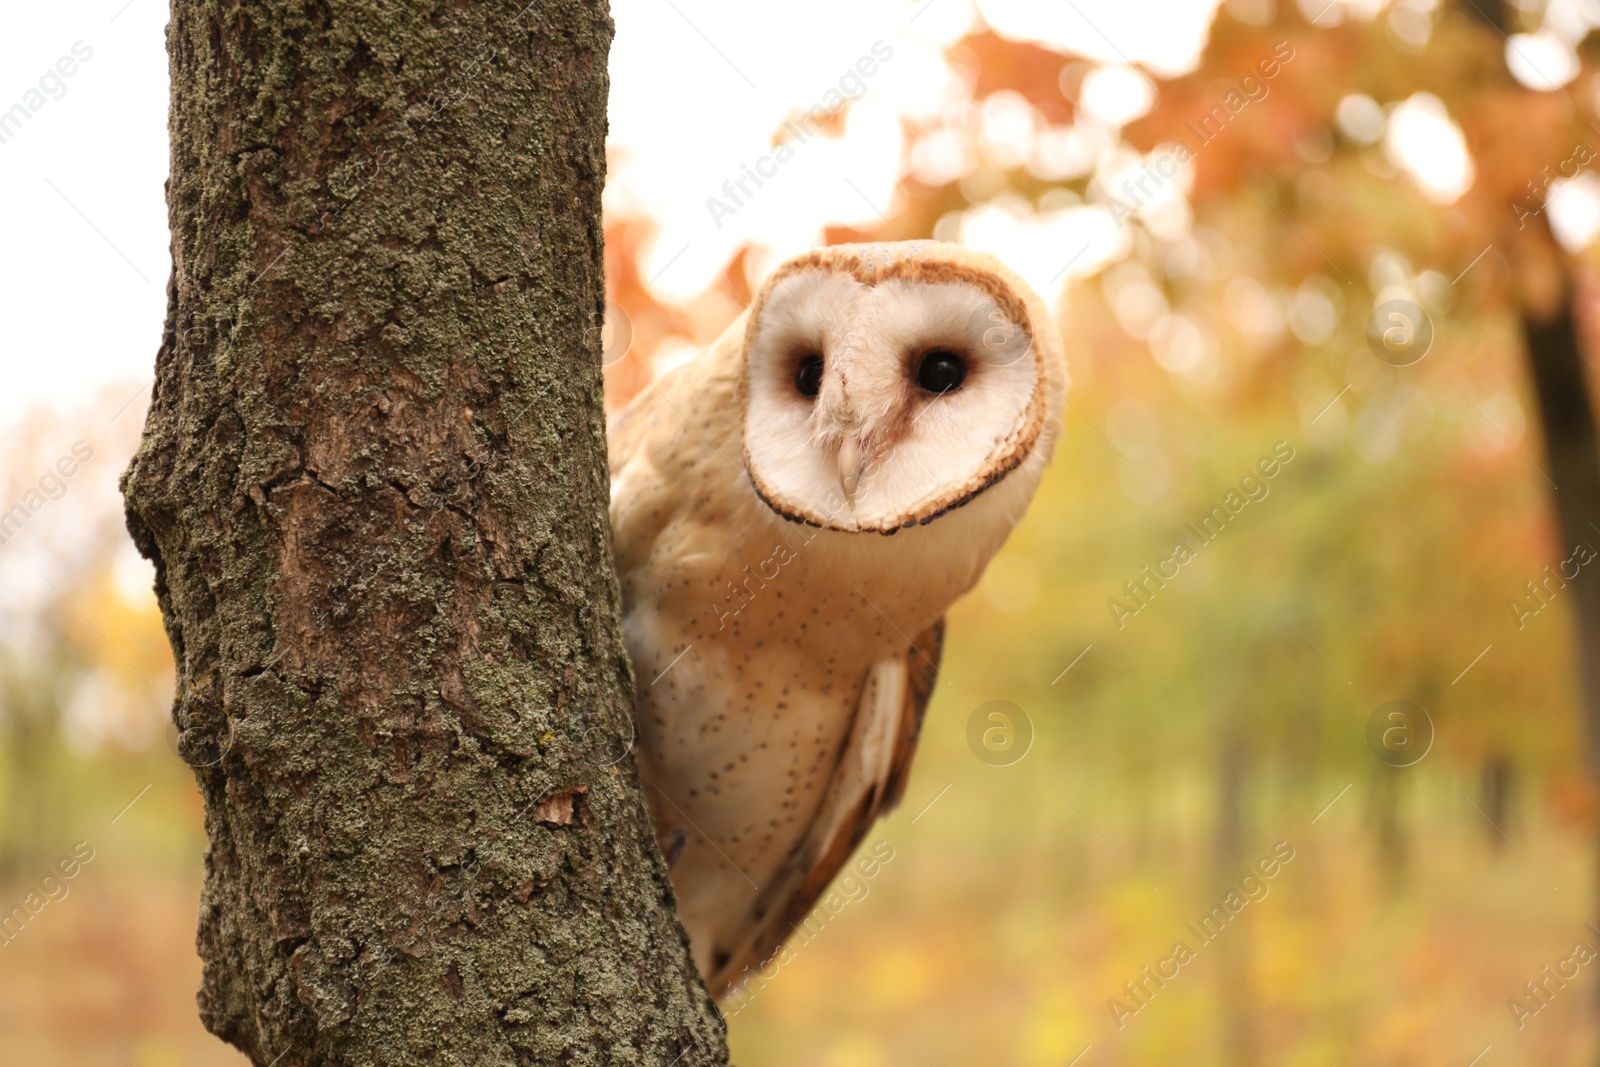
(783, 667)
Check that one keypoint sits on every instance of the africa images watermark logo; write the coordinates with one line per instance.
(52, 85)
(1141, 590)
(1205, 129)
(51, 486)
(852, 887)
(851, 86)
(52, 889)
(1252, 888)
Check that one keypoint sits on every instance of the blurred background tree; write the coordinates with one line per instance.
(1228, 234)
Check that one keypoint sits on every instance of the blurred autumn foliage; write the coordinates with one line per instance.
(1215, 315)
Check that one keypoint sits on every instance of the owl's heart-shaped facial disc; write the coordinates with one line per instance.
(882, 394)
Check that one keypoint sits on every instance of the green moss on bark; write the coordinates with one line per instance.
(373, 484)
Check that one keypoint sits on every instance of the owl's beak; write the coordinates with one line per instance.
(850, 469)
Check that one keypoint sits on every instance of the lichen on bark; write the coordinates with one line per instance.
(373, 484)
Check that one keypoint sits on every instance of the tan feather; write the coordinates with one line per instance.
(867, 784)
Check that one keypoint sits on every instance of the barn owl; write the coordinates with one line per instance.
(793, 513)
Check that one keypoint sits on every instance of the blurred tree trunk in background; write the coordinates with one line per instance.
(1572, 449)
(1546, 288)
(1389, 831)
(1229, 862)
(1499, 786)
(373, 484)
(29, 697)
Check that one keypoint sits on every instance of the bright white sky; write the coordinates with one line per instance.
(78, 315)
(698, 89)
(85, 259)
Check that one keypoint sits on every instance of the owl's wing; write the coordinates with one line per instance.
(628, 429)
(867, 783)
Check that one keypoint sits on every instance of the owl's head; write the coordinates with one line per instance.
(887, 384)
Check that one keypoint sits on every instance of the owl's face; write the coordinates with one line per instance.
(886, 385)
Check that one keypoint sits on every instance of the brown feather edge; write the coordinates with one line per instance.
(922, 671)
(922, 674)
(887, 531)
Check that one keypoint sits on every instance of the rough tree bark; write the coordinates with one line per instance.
(373, 484)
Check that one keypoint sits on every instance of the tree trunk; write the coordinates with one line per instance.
(1546, 287)
(1388, 826)
(1572, 460)
(1499, 786)
(1240, 1044)
(30, 725)
(373, 485)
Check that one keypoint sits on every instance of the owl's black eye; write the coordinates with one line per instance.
(808, 379)
(941, 371)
